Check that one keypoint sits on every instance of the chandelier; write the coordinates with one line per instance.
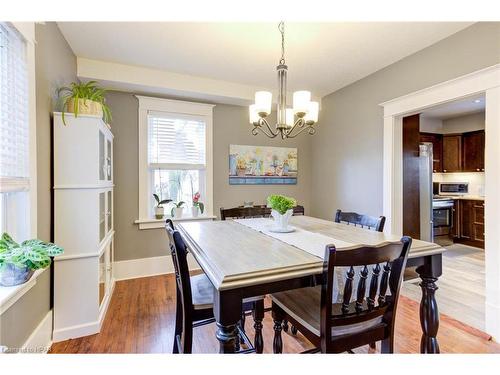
(290, 121)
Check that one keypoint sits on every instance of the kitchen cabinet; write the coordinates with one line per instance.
(455, 230)
(437, 149)
(473, 151)
(452, 153)
(469, 222)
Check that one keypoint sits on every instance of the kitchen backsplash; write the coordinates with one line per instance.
(475, 180)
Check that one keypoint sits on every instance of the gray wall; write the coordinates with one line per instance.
(55, 66)
(348, 147)
(230, 126)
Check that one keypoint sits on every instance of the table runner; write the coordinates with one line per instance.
(313, 243)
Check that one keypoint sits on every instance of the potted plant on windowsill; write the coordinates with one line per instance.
(159, 210)
(18, 262)
(85, 99)
(282, 210)
(176, 211)
(197, 205)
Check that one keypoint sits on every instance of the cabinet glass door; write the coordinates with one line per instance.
(109, 210)
(102, 216)
(108, 159)
(102, 277)
(102, 157)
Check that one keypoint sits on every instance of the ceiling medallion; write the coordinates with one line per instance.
(290, 121)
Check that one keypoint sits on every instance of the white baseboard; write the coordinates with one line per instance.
(144, 267)
(76, 331)
(40, 339)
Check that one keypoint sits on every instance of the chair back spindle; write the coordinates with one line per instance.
(253, 212)
(360, 220)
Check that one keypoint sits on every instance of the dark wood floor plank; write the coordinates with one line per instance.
(141, 314)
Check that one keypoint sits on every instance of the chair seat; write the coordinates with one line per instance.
(304, 306)
(203, 293)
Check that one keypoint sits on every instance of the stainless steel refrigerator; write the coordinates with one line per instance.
(426, 192)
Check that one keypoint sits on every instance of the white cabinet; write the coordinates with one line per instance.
(83, 224)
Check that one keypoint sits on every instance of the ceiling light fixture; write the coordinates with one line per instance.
(302, 116)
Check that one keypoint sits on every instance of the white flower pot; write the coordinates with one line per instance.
(159, 212)
(178, 212)
(281, 221)
(194, 211)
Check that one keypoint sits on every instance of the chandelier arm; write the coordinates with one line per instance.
(258, 126)
(269, 127)
(299, 122)
(309, 128)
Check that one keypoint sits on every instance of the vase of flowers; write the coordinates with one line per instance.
(18, 262)
(282, 210)
(197, 205)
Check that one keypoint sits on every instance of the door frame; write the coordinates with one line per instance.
(482, 81)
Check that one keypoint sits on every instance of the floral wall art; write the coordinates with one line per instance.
(262, 165)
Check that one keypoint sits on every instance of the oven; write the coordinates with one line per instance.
(442, 216)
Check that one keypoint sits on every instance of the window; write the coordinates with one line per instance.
(175, 154)
(16, 161)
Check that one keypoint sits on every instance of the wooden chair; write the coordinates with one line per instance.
(363, 221)
(335, 327)
(255, 211)
(195, 295)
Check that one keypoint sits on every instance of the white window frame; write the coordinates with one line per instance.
(150, 104)
(27, 30)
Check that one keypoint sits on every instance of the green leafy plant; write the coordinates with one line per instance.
(160, 203)
(86, 91)
(281, 203)
(34, 254)
(176, 205)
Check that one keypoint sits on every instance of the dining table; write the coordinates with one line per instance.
(242, 261)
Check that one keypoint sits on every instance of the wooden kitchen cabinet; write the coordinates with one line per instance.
(473, 151)
(437, 149)
(452, 153)
(469, 222)
(455, 230)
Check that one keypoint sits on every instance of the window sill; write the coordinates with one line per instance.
(160, 223)
(10, 294)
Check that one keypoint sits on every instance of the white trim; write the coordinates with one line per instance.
(104, 185)
(485, 80)
(204, 110)
(145, 267)
(76, 331)
(160, 223)
(40, 339)
(11, 294)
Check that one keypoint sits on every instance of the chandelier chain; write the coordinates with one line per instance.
(281, 28)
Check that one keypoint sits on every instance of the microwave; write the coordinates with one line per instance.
(453, 188)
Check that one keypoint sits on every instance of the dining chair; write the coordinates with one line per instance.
(194, 305)
(355, 318)
(360, 220)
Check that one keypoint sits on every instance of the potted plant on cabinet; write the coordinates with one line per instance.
(197, 205)
(159, 210)
(86, 99)
(282, 210)
(176, 211)
(18, 262)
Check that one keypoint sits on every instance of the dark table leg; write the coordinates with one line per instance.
(429, 272)
(258, 315)
(227, 311)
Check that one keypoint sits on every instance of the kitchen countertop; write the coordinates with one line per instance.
(467, 197)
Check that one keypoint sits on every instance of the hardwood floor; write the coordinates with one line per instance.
(461, 293)
(140, 319)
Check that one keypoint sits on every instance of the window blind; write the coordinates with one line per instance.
(175, 139)
(14, 124)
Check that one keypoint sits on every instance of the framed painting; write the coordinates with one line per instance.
(262, 165)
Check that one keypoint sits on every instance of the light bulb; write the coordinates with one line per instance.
(312, 114)
(263, 102)
(253, 114)
(301, 101)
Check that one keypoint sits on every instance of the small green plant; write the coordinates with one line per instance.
(160, 203)
(86, 91)
(176, 205)
(281, 203)
(34, 254)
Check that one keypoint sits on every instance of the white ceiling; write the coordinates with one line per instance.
(321, 57)
(471, 104)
